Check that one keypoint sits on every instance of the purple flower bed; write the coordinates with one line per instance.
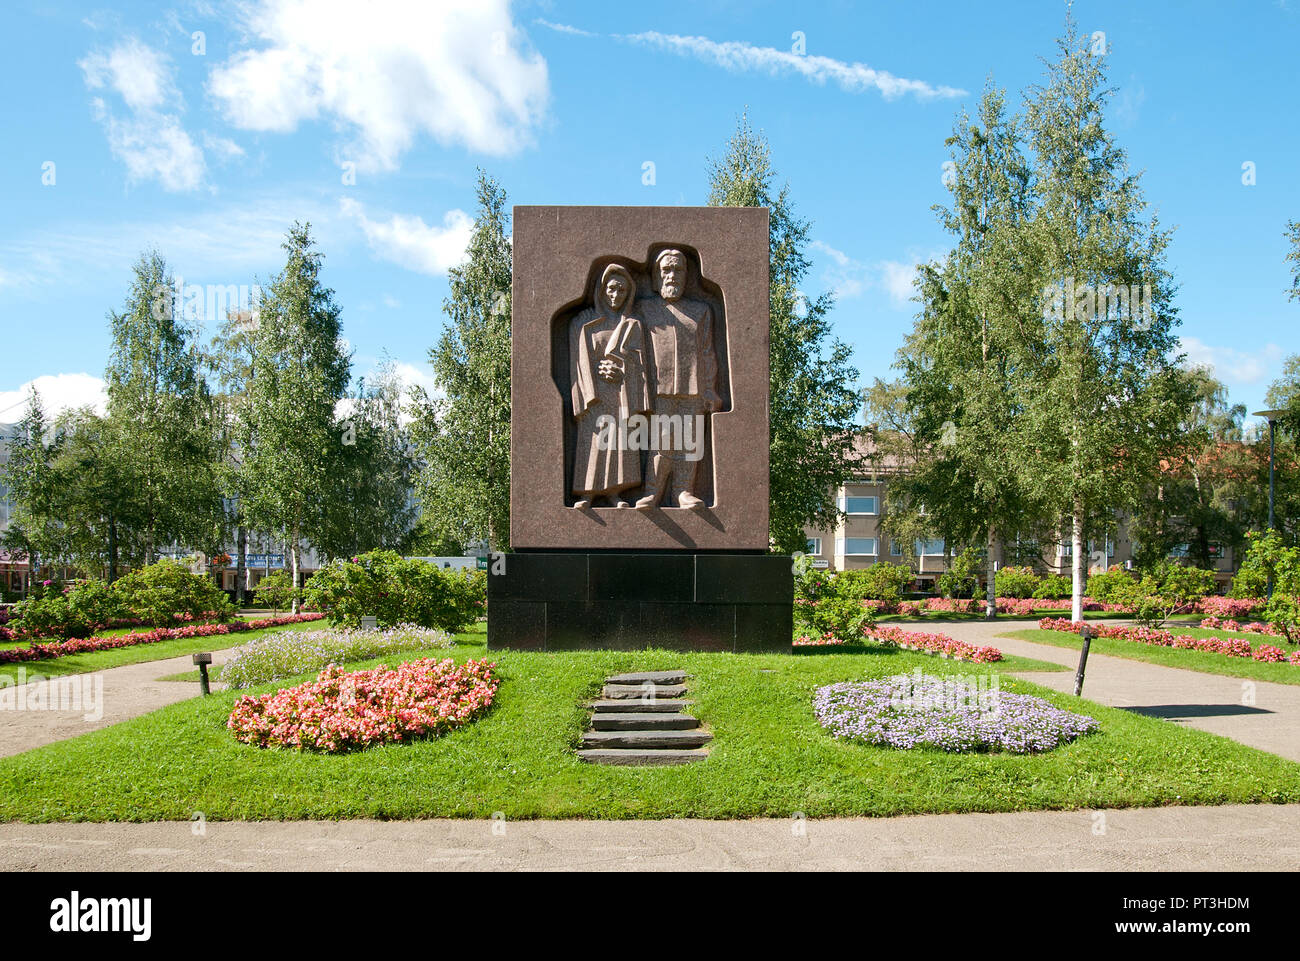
(952, 715)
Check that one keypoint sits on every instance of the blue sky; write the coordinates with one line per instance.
(209, 146)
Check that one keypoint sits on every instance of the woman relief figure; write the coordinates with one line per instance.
(607, 371)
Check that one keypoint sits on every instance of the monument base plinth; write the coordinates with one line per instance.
(628, 601)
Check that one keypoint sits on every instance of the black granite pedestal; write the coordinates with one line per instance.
(628, 601)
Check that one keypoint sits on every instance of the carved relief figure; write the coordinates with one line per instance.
(609, 385)
(684, 377)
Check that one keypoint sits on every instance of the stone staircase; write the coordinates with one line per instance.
(639, 720)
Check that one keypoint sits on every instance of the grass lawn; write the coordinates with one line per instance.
(139, 653)
(769, 756)
(1203, 661)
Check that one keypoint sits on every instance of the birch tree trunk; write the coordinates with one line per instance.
(1077, 561)
(990, 589)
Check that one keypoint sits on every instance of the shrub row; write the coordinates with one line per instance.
(384, 585)
(45, 652)
(158, 595)
(1230, 647)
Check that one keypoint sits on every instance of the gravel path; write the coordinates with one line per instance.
(95, 700)
(1209, 702)
(1229, 838)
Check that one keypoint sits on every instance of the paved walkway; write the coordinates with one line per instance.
(1209, 702)
(115, 695)
(1231, 838)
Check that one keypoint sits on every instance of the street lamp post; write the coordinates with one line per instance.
(1271, 416)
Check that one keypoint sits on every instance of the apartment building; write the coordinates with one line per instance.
(859, 540)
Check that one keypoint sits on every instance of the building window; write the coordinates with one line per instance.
(895, 548)
(814, 546)
(859, 546)
(929, 548)
(859, 505)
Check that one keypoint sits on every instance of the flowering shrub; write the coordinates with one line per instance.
(43, 652)
(339, 712)
(928, 711)
(297, 652)
(1234, 607)
(1231, 646)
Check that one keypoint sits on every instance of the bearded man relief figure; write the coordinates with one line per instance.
(685, 377)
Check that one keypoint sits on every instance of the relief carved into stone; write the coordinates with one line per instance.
(642, 363)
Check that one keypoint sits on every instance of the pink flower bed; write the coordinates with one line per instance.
(939, 643)
(339, 712)
(1254, 627)
(44, 652)
(1234, 607)
(1228, 646)
(804, 640)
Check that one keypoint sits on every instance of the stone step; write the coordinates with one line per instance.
(641, 756)
(654, 677)
(644, 721)
(637, 691)
(646, 739)
(665, 706)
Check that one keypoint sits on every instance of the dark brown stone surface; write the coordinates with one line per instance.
(561, 255)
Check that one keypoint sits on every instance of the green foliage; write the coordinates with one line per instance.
(287, 433)
(962, 576)
(1269, 558)
(463, 439)
(1115, 586)
(832, 603)
(1293, 257)
(166, 591)
(77, 610)
(276, 591)
(813, 401)
(965, 386)
(395, 590)
(1053, 587)
(163, 432)
(1170, 589)
(879, 582)
(372, 507)
(48, 614)
(1018, 582)
(35, 528)
(94, 602)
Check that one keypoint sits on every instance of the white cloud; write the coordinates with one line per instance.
(564, 28)
(228, 243)
(408, 241)
(1232, 365)
(223, 147)
(852, 278)
(139, 74)
(150, 140)
(742, 57)
(459, 71)
(58, 392)
(898, 279)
